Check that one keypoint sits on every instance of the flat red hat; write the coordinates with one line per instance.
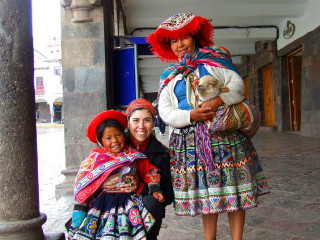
(110, 114)
(140, 103)
(176, 26)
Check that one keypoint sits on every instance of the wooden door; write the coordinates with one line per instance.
(294, 74)
(246, 87)
(269, 110)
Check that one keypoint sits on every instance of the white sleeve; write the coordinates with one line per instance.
(170, 114)
(233, 81)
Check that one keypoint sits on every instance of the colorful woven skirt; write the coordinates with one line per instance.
(235, 182)
(114, 216)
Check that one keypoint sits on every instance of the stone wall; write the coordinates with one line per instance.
(266, 53)
(310, 84)
(251, 67)
(280, 76)
(84, 84)
(310, 102)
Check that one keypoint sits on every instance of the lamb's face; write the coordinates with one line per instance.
(208, 88)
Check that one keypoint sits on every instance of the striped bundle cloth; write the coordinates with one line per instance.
(243, 116)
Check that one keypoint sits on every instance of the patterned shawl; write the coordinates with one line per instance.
(97, 167)
(215, 56)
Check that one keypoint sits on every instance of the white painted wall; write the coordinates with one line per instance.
(303, 24)
(45, 63)
(52, 83)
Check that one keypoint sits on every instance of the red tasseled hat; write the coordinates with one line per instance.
(110, 114)
(176, 26)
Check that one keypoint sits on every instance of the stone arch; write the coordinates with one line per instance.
(43, 112)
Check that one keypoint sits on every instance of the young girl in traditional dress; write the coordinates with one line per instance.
(212, 171)
(109, 213)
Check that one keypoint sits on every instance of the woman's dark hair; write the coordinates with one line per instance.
(105, 124)
(197, 42)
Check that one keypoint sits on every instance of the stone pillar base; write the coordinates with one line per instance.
(68, 185)
(27, 230)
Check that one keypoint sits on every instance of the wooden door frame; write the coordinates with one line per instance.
(246, 87)
(269, 109)
(290, 91)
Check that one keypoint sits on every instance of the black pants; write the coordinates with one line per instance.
(155, 208)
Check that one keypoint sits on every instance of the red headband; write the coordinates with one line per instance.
(110, 114)
(140, 103)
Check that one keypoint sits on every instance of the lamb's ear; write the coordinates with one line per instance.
(224, 89)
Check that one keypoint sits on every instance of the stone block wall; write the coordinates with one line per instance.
(310, 85)
(84, 85)
(280, 76)
(84, 81)
(310, 102)
(266, 53)
(251, 67)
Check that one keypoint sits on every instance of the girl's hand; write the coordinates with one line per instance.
(111, 182)
(213, 104)
(132, 186)
(201, 114)
(158, 196)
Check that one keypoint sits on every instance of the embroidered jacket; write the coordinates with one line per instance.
(100, 164)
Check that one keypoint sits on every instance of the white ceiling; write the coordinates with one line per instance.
(239, 23)
(150, 13)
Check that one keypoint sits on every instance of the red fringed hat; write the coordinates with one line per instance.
(140, 103)
(110, 114)
(176, 26)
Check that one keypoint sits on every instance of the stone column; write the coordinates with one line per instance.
(19, 198)
(84, 79)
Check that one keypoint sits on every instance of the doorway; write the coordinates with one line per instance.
(268, 94)
(294, 63)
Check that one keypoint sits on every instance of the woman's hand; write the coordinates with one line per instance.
(132, 186)
(213, 104)
(201, 114)
(112, 181)
(158, 196)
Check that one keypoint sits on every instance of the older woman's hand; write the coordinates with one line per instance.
(111, 182)
(213, 104)
(201, 114)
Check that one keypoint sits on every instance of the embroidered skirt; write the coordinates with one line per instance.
(235, 182)
(114, 216)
